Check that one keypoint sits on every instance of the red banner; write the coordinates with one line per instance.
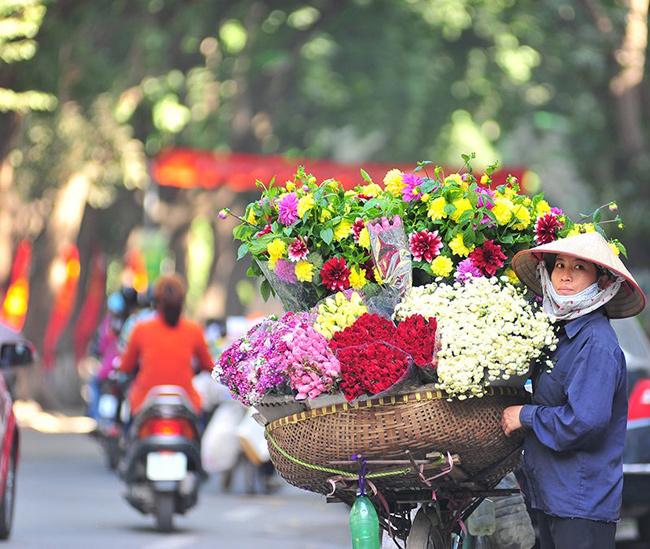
(190, 168)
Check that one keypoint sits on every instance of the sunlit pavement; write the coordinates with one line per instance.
(29, 414)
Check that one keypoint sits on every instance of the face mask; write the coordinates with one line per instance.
(585, 295)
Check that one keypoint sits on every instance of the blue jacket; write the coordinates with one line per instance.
(572, 465)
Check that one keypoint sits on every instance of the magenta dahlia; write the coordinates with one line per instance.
(411, 190)
(288, 209)
(466, 269)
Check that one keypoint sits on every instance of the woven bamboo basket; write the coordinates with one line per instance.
(311, 447)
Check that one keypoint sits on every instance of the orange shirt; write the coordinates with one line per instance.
(164, 354)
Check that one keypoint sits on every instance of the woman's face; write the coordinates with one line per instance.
(572, 275)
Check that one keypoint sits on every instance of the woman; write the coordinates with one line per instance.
(571, 469)
(165, 346)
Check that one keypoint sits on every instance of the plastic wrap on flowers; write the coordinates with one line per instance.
(390, 252)
(377, 358)
(293, 294)
(377, 369)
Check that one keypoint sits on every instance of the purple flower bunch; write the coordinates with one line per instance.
(254, 364)
(277, 353)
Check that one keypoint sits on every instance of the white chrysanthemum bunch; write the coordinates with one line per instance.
(487, 329)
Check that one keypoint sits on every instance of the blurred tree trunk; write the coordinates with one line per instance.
(626, 87)
(62, 227)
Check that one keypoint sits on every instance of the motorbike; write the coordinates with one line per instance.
(109, 423)
(162, 458)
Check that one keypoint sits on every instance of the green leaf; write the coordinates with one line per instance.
(469, 237)
(365, 176)
(597, 216)
(327, 235)
(265, 290)
(242, 251)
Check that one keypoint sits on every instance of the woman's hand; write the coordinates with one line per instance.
(510, 419)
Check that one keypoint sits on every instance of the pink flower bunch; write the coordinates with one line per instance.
(311, 365)
(383, 224)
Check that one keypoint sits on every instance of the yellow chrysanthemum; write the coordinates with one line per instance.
(425, 197)
(614, 248)
(304, 271)
(290, 186)
(485, 179)
(251, 217)
(527, 201)
(377, 274)
(542, 208)
(502, 210)
(454, 179)
(325, 215)
(393, 182)
(342, 230)
(364, 238)
(457, 246)
(462, 205)
(523, 216)
(512, 276)
(579, 228)
(276, 249)
(442, 266)
(436, 208)
(371, 189)
(305, 204)
(358, 277)
(510, 193)
(457, 179)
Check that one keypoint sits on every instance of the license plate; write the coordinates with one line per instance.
(107, 406)
(166, 466)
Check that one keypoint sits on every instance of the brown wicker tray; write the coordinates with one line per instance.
(313, 446)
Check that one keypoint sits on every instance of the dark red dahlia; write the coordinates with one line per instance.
(488, 258)
(266, 230)
(359, 225)
(546, 228)
(335, 274)
(425, 245)
(298, 249)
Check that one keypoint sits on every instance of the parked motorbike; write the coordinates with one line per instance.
(162, 462)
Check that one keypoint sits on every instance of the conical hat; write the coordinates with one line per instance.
(629, 300)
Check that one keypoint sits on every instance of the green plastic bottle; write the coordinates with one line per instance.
(364, 524)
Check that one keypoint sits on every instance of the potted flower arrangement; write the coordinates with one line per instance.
(438, 244)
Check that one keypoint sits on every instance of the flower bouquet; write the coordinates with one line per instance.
(403, 314)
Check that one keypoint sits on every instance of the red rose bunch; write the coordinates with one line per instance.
(371, 368)
(365, 329)
(416, 336)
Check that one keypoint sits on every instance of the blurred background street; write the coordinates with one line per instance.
(67, 498)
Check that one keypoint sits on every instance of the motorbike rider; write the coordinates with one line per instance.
(105, 347)
(164, 347)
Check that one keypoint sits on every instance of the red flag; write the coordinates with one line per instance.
(14, 306)
(91, 310)
(64, 302)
